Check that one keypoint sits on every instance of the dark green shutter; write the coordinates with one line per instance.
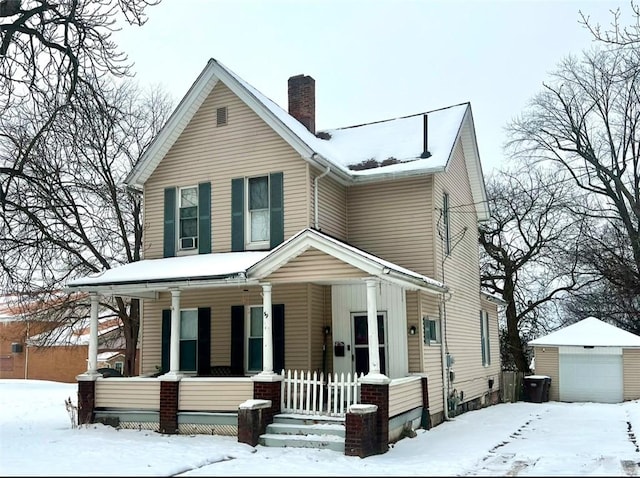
(277, 310)
(482, 340)
(237, 339)
(276, 209)
(169, 222)
(204, 218)
(166, 340)
(204, 341)
(237, 214)
(427, 330)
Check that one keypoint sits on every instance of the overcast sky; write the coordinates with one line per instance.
(372, 59)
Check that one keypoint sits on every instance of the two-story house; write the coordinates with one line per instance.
(324, 274)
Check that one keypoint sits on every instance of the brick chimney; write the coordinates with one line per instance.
(302, 100)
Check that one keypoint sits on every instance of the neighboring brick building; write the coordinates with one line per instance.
(25, 354)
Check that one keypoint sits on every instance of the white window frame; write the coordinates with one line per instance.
(485, 337)
(427, 333)
(119, 366)
(249, 244)
(179, 220)
(248, 337)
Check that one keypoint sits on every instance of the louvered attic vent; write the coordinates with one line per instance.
(221, 116)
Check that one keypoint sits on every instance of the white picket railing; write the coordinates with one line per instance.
(307, 393)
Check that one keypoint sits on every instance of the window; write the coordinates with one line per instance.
(484, 337)
(258, 210)
(188, 339)
(446, 224)
(221, 116)
(432, 334)
(254, 340)
(119, 366)
(188, 216)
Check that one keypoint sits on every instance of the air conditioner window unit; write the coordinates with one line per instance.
(188, 242)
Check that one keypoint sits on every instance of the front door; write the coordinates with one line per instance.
(360, 342)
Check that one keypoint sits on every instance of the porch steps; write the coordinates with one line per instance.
(304, 431)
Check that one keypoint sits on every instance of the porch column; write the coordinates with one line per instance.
(174, 349)
(267, 335)
(372, 326)
(92, 362)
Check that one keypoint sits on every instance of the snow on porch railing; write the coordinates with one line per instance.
(308, 393)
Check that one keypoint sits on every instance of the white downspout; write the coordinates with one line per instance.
(315, 196)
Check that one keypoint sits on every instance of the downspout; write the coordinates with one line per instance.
(315, 196)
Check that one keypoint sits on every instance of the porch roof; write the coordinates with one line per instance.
(145, 278)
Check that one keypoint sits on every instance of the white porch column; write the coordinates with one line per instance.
(267, 335)
(92, 362)
(372, 326)
(174, 349)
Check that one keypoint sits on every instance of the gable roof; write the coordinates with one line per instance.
(249, 267)
(590, 332)
(400, 138)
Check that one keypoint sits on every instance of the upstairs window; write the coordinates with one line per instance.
(188, 217)
(446, 224)
(484, 338)
(258, 210)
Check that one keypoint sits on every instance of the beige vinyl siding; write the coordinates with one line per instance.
(246, 146)
(298, 326)
(631, 373)
(414, 342)
(404, 394)
(213, 394)
(392, 219)
(332, 205)
(432, 355)
(548, 363)
(461, 312)
(130, 393)
(314, 265)
(493, 370)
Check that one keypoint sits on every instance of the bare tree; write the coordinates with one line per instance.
(67, 212)
(586, 121)
(48, 49)
(528, 253)
(616, 34)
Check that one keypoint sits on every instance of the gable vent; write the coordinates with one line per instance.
(221, 116)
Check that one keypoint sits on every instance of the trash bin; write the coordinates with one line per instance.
(534, 388)
(547, 386)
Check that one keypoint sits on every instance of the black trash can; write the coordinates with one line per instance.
(547, 386)
(534, 388)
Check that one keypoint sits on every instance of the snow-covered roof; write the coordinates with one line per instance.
(242, 267)
(77, 334)
(399, 141)
(591, 332)
(104, 356)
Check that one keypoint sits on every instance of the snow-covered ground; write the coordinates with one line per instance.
(510, 439)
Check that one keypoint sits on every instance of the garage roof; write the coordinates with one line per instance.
(590, 332)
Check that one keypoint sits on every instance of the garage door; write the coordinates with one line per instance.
(590, 375)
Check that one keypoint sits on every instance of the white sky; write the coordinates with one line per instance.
(523, 439)
(371, 59)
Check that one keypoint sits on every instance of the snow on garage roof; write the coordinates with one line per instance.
(591, 332)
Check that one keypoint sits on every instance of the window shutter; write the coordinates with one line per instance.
(204, 341)
(169, 242)
(277, 310)
(487, 337)
(427, 330)
(166, 340)
(482, 339)
(237, 339)
(276, 209)
(237, 214)
(204, 218)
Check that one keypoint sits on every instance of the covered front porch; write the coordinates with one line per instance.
(312, 328)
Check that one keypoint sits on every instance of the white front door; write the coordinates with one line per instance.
(360, 341)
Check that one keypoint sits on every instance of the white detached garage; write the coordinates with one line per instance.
(590, 361)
